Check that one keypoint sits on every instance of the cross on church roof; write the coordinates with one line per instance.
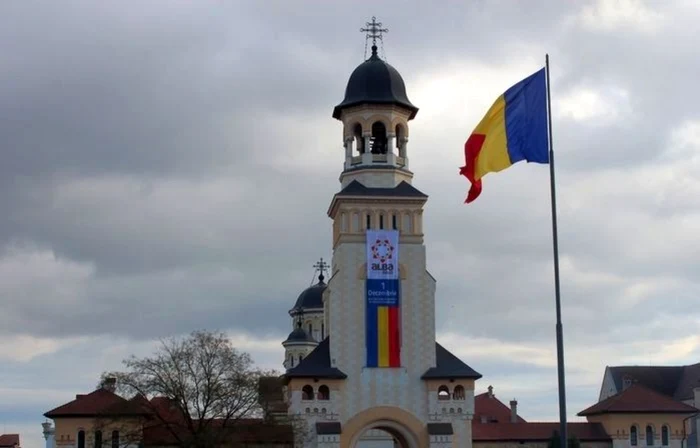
(321, 266)
(373, 30)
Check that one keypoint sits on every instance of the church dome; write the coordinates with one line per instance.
(311, 297)
(299, 335)
(375, 82)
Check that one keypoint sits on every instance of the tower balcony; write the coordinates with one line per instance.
(369, 159)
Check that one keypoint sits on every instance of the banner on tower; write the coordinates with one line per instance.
(383, 299)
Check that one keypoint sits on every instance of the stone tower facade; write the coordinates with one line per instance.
(417, 391)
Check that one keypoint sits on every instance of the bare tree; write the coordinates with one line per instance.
(203, 387)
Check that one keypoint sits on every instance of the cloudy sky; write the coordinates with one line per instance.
(166, 166)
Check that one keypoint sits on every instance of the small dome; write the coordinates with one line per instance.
(311, 297)
(299, 335)
(375, 82)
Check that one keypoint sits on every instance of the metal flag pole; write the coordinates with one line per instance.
(555, 244)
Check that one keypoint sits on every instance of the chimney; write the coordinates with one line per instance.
(490, 391)
(513, 411)
(110, 384)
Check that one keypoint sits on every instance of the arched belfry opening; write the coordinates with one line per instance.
(357, 138)
(378, 141)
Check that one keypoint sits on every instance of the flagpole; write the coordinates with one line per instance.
(555, 245)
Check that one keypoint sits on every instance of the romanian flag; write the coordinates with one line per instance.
(514, 129)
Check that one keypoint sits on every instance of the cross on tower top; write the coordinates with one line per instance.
(373, 30)
(321, 266)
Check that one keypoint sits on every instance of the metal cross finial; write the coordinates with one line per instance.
(321, 267)
(373, 31)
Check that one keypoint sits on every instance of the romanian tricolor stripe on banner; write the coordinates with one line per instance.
(383, 334)
(513, 129)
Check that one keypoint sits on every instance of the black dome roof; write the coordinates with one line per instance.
(311, 297)
(299, 335)
(375, 82)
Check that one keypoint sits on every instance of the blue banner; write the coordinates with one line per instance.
(383, 292)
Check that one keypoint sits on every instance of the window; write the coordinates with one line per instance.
(81, 439)
(443, 393)
(324, 393)
(311, 329)
(650, 435)
(307, 393)
(393, 222)
(633, 435)
(369, 221)
(458, 393)
(664, 435)
(98, 439)
(115, 439)
(381, 221)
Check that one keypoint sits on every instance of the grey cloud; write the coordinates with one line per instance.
(178, 160)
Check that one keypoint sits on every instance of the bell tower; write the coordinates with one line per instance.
(380, 368)
(375, 114)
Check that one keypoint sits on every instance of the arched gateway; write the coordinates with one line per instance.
(362, 354)
(407, 430)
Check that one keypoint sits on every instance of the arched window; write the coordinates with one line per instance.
(650, 435)
(324, 393)
(81, 439)
(458, 393)
(311, 329)
(400, 134)
(443, 393)
(664, 435)
(378, 141)
(300, 358)
(115, 439)
(359, 141)
(633, 435)
(98, 439)
(307, 393)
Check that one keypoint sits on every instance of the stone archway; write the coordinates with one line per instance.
(408, 430)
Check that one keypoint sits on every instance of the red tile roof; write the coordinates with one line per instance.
(9, 440)
(244, 430)
(531, 432)
(98, 402)
(492, 408)
(639, 399)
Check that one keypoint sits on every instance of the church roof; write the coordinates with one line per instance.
(311, 297)
(299, 335)
(9, 440)
(449, 366)
(404, 189)
(494, 410)
(375, 82)
(675, 381)
(98, 402)
(535, 431)
(638, 399)
(317, 364)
